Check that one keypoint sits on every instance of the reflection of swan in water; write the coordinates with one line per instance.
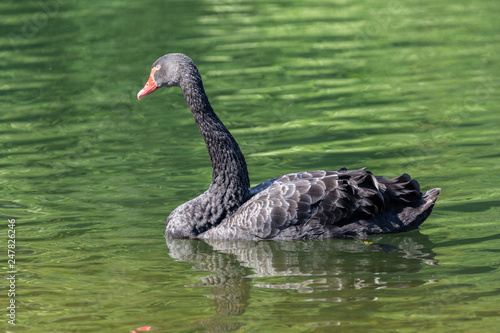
(337, 266)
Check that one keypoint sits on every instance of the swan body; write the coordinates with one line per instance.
(305, 205)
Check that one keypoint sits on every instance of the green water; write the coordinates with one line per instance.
(89, 173)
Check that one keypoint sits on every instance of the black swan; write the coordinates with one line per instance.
(304, 205)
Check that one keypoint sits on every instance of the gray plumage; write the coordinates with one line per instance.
(305, 205)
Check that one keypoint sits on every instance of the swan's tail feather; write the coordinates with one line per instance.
(413, 217)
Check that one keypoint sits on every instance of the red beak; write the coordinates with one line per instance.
(150, 85)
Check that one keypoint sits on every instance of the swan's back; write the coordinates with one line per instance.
(327, 204)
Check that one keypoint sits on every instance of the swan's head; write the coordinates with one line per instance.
(168, 71)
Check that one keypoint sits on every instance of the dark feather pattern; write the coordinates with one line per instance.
(327, 204)
(305, 205)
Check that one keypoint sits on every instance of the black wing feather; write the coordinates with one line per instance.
(323, 204)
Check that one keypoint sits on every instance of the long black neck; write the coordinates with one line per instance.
(230, 181)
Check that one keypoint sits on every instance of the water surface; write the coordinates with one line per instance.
(90, 174)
